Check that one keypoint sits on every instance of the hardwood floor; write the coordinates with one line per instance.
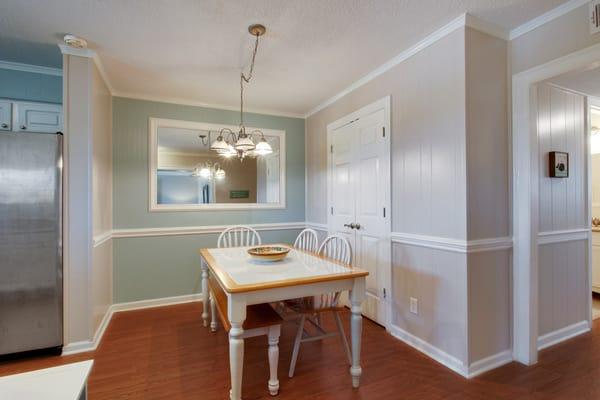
(166, 353)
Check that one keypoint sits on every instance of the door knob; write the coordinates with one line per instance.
(357, 226)
(350, 225)
(23, 127)
(5, 126)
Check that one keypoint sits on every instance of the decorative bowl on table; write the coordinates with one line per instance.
(268, 253)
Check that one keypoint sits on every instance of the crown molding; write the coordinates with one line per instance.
(546, 17)
(188, 102)
(72, 51)
(463, 20)
(36, 69)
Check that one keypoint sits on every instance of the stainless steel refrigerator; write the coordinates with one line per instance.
(31, 283)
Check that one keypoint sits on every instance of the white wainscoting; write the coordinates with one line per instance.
(91, 345)
(454, 245)
(560, 335)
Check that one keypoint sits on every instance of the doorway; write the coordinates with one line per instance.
(359, 197)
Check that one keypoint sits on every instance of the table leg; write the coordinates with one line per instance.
(357, 296)
(204, 286)
(274, 333)
(236, 310)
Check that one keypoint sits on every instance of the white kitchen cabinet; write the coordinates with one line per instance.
(37, 117)
(596, 262)
(5, 115)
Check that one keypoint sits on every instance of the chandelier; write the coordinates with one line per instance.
(242, 144)
(209, 170)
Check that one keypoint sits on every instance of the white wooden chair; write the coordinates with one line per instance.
(239, 235)
(310, 308)
(307, 240)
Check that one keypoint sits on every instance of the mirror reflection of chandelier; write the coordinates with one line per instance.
(241, 144)
(209, 171)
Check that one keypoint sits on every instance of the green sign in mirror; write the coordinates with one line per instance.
(239, 194)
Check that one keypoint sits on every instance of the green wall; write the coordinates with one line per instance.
(155, 267)
(29, 86)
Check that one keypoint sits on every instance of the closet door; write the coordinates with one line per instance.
(39, 117)
(5, 115)
(372, 245)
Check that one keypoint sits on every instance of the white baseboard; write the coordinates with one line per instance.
(560, 335)
(91, 345)
(430, 350)
(489, 363)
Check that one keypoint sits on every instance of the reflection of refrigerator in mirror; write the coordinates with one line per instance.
(267, 179)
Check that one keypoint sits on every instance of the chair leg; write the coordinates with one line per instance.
(340, 327)
(213, 313)
(297, 342)
(274, 332)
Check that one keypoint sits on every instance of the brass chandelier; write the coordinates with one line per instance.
(241, 144)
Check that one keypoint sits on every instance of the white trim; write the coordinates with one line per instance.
(489, 363)
(194, 103)
(164, 301)
(91, 345)
(103, 237)
(546, 17)
(88, 53)
(428, 349)
(460, 22)
(153, 206)
(453, 245)
(525, 196)
(36, 69)
(560, 335)
(570, 235)
(317, 226)
(198, 230)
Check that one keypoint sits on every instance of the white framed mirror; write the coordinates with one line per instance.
(186, 175)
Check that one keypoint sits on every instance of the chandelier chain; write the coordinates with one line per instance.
(244, 78)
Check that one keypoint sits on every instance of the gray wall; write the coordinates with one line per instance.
(28, 86)
(450, 181)
(154, 267)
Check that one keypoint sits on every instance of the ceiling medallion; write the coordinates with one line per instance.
(241, 144)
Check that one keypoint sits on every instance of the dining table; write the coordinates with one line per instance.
(247, 281)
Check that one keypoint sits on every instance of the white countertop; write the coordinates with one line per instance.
(65, 382)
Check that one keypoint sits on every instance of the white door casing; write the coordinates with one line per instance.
(359, 193)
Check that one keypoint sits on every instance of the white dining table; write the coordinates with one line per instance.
(247, 281)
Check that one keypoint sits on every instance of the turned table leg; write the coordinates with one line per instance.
(357, 296)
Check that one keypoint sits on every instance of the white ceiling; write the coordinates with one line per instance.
(193, 50)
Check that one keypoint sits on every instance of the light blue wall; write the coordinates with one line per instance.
(29, 86)
(155, 267)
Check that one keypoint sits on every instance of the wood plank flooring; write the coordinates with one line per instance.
(166, 353)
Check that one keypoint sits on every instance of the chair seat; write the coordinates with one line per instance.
(306, 305)
(257, 315)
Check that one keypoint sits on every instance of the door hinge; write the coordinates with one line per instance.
(383, 131)
(331, 149)
(384, 293)
(383, 212)
(331, 210)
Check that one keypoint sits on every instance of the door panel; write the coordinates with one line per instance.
(38, 117)
(359, 191)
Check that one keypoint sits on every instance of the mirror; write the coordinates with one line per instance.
(186, 174)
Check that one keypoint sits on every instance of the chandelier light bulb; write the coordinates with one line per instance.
(220, 174)
(219, 145)
(244, 143)
(205, 172)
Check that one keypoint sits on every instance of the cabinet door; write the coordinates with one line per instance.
(39, 117)
(5, 115)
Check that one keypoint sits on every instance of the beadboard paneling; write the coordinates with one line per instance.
(561, 128)
(563, 287)
(437, 279)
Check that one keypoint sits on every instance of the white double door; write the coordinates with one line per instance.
(359, 210)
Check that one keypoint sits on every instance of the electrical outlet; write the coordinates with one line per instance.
(414, 305)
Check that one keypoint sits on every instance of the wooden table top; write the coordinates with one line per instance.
(239, 272)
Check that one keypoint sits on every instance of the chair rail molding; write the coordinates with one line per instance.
(570, 235)
(453, 245)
